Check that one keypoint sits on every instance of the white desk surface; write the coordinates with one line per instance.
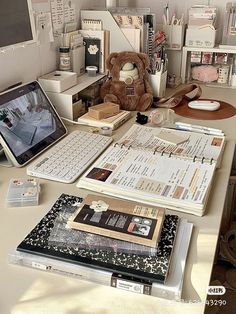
(25, 290)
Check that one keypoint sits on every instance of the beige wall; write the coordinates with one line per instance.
(25, 64)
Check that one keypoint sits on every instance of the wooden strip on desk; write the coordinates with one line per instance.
(225, 111)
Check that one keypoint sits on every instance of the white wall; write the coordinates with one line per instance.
(25, 64)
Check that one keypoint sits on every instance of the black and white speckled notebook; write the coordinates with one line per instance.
(151, 268)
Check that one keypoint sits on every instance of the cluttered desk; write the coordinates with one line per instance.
(180, 285)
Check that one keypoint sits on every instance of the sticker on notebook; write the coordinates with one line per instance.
(30, 192)
(93, 49)
(18, 182)
(99, 206)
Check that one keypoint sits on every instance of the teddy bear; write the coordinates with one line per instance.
(127, 84)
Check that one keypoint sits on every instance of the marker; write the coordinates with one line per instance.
(197, 130)
(199, 127)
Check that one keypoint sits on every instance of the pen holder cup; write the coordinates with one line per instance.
(158, 83)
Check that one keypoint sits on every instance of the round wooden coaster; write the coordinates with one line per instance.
(225, 111)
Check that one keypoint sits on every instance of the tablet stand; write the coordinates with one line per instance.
(5, 160)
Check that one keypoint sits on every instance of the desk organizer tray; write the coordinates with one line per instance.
(23, 192)
(149, 268)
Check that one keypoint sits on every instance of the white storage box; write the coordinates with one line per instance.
(58, 81)
(200, 37)
(23, 192)
(174, 35)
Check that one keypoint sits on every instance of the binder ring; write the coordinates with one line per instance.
(170, 154)
(194, 158)
(203, 159)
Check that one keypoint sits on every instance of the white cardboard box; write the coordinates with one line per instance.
(58, 81)
(200, 37)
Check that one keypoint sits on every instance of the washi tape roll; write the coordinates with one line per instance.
(105, 130)
(156, 117)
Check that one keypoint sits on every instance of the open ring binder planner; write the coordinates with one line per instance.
(176, 176)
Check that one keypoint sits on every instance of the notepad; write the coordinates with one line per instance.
(91, 24)
(172, 138)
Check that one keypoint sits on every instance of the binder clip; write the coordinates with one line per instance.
(141, 118)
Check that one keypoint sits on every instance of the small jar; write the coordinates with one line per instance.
(65, 64)
(91, 70)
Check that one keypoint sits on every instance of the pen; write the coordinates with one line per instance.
(167, 14)
(199, 127)
(197, 130)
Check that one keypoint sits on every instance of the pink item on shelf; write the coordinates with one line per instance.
(204, 73)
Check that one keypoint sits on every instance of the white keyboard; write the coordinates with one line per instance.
(68, 159)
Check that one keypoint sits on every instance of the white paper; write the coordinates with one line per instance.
(156, 176)
(57, 10)
(63, 11)
(199, 145)
(44, 27)
(171, 138)
(69, 11)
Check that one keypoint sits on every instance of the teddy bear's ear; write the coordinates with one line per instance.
(144, 59)
(111, 60)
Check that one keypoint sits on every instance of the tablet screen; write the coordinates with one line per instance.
(28, 122)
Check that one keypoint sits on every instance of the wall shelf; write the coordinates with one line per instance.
(186, 63)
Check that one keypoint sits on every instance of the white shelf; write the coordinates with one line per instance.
(215, 49)
(185, 64)
(83, 82)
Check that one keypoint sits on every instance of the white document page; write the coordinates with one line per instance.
(199, 145)
(142, 172)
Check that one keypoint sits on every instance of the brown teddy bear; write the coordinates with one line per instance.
(127, 84)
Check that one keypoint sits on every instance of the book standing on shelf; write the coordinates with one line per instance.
(92, 52)
(103, 36)
(135, 168)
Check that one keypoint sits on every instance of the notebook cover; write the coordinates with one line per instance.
(61, 236)
(119, 219)
(92, 52)
(113, 122)
(97, 35)
(152, 268)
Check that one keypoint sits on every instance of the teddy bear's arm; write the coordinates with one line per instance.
(105, 89)
(148, 86)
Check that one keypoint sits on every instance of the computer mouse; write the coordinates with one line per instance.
(210, 105)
